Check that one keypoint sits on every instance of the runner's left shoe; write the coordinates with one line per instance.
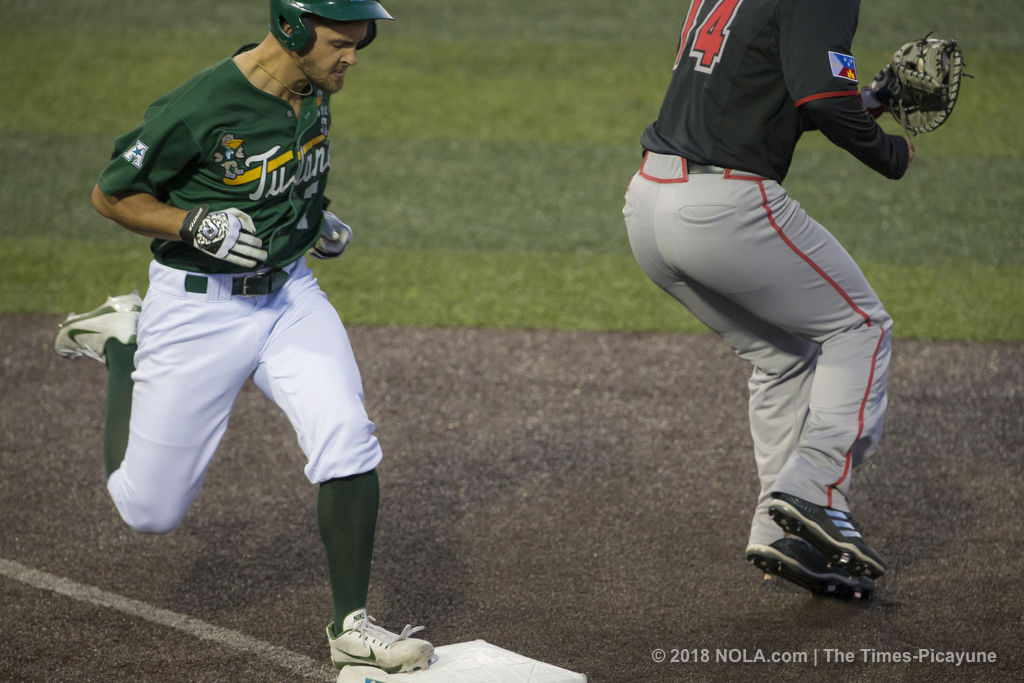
(87, 333)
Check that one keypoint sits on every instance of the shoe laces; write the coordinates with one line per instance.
(384, 636)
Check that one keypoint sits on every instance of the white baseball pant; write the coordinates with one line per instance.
(196, 351)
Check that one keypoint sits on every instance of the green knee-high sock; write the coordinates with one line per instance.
(120, 365)
(347, 517)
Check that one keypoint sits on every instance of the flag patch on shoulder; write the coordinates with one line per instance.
(843, 66)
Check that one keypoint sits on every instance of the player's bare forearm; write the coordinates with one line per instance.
(141, 213)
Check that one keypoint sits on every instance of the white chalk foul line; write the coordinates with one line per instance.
(279, 656)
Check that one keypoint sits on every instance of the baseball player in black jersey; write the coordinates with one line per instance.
(710, 223)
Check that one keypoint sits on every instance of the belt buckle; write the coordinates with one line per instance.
(245, 283)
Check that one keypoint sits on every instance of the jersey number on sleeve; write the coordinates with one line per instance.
(709, 39)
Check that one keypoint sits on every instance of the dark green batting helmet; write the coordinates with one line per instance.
(293, 13)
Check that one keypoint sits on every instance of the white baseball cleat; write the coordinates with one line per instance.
(87, 333)
(365, 643)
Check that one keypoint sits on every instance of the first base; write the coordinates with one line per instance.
(476, 661)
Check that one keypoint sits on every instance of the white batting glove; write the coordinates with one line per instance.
(334, 237)
(228, 235)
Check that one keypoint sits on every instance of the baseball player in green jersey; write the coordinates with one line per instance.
(227, 174)
(710, 223)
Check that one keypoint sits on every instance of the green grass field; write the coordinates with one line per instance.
(481, 151)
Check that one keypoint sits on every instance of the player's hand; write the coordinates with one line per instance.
(334, 237)
(228, 235)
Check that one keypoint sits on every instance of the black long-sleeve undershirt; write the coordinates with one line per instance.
(845, 122)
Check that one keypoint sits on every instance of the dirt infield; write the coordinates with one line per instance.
(580, 498)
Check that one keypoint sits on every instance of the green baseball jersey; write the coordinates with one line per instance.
(217, 139)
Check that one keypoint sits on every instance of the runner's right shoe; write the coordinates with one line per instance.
(365, 643)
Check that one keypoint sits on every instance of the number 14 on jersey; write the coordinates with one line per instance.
(711, 33)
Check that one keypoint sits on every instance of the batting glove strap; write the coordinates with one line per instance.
(193, 219)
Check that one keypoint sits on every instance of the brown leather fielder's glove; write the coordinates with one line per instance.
(921, 83)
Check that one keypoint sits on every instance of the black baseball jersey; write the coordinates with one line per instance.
(751, 75)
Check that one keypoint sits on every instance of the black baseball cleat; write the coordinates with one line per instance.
(833, 532)
(799, 562)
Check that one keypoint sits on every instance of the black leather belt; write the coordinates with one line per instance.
(259, 283)
(245, 285)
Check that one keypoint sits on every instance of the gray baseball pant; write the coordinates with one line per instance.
(753, 266)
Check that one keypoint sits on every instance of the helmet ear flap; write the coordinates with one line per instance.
(303, 34)
(301, 31)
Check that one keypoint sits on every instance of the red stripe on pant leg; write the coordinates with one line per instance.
(808, 259)
(860, 418)
(849, 301)
(837, 482)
